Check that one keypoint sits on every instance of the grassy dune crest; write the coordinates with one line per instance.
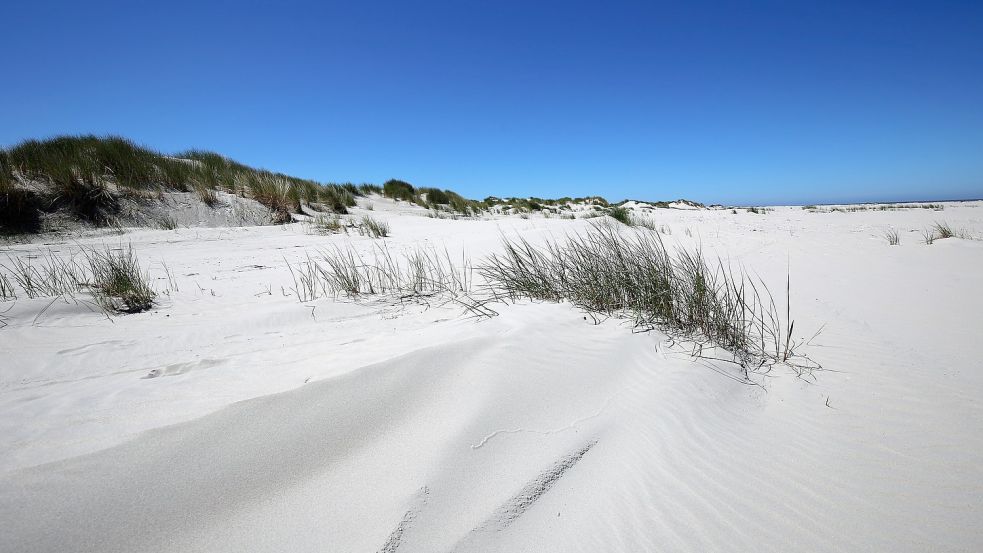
(87, 175)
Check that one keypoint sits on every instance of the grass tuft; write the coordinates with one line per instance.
(636, 277)
(113, 278)
(46, 276)
(943, 230)
(610, 270)
(276, 194)
(117, 283)
(327, 224)
(399, 190)
(341, 272)
(893, 238)
(367, 188)
(208, 196)
(373, 227)
(621, 215)
(336, 198)
(7, 291)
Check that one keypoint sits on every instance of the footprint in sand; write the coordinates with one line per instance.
(175, 369)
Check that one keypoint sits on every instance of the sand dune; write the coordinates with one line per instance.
(235, 418)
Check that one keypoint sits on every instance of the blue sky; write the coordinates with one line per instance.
(727, 102)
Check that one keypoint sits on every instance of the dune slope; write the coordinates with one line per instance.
(234, 417)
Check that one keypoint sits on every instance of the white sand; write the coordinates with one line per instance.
(272, 425)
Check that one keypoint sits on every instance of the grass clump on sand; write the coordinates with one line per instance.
(431, 198)
(420, 272)
(940, 231)
(644, 222)
(337, 198)
(278, 195)
(943, 230)
(892, 236)
(621, 214)
(635, 276)
(47, 276)
(7, 291)
(610, 270)
(448, 200)
(434, 196)
(373, 227)
(367, 188)
(398, 190)
(327, 224)
(112, 276)
(117, 283)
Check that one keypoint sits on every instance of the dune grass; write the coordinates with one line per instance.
(621, 214)
(20, 210)
(6, 171)
(336, 198)
(610, 270)
(7, 291)
(278, 195)
(327, 224)
(537, 204)
(943, 230)
(112, 276)
(643, 221)
(70, 160)
(892, 236)
(432, 198)
(863, 208)
(208, 196)
(117, 283)
(373, 227)
(87, 174)
(344, 272)
(398, 190)
(367, 188)
(635, 276)
(47, 275)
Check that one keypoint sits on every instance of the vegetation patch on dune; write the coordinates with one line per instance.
(111, 276)
(874, 207)
(344, 272)
(87, 176)
(609, 271)
(635, 276)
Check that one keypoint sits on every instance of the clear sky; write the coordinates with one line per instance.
(728, 102)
